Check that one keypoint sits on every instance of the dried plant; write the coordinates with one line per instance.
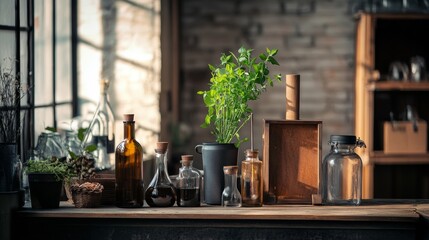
(11, 93)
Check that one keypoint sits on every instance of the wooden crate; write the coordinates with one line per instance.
(292, 161)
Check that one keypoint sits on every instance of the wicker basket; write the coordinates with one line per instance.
(86, 200)
(87, 194)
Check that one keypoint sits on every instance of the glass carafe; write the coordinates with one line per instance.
(188, 184)
(101, 131)
(230, 196)
(161, 191)
(129, 168)
(342, 172)
(251, 180)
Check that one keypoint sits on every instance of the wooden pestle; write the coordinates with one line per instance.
(292, 97)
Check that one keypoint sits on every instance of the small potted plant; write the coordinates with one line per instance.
(238, 80)
(85, 193)
(46, 179)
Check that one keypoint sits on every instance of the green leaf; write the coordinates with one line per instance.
(81, 133)
(90, 148)
(272, 61)
(51, 129)
(213, 69)
(200, 92)
(72, 155)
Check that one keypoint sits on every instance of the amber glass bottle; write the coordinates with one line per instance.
(251, 180)
(161, 191)
(129, 168)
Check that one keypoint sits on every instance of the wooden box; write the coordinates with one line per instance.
(292, 161)
(401, 137)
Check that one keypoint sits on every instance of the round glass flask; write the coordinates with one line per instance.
(342, 172)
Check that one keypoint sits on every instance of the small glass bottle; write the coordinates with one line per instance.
(129, 168)
(251, 180)
(231, 196)
(101, 131)
(161, 191)
(342, 172)
(188, 184)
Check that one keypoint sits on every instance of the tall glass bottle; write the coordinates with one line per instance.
(251, 180)
(161, 191)
(129, 168)
(188, 184)
(231, 197)
(101, 131)
(342, 172)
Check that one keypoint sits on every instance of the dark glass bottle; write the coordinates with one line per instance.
(161, 191)
(129, 168)
(188, 184)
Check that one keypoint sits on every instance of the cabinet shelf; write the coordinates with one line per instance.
(401, 86)
(379, 157)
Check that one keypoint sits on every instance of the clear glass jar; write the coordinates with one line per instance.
(342, 172)
(231, 197)
(188, 184)
(251, 180)
(161, 191)
(50, 145)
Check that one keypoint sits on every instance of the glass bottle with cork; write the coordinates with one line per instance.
(129, 168)
(188, 184)
(101, 131)
(161, 191)
(251, 176)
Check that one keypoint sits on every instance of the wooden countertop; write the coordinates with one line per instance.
(372, 220)
(382, 212)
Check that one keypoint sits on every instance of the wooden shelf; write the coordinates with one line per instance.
(379, 157)
(401, 86)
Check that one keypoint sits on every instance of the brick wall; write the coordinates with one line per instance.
(315, 39)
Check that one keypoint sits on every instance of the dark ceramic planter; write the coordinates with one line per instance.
(45, 190)
(215, 156)
(7, 170)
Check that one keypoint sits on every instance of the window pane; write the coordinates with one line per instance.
(43, 118)
(7, 49)
(64, 114)
(7, 16)
(63, 90)
(43, 52)
(23, 13)
(24, 68)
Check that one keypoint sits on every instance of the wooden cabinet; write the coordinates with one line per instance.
(380, 40)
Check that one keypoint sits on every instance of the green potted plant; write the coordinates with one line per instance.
(238, 80)
(46, 179)
(83, 190)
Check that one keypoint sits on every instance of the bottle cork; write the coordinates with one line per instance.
(187, 159)
(161, 147)
(128, 117)
(292, 96)
(251, 153)
(230, 170)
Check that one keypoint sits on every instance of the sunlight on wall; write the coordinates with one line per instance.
(121, 41)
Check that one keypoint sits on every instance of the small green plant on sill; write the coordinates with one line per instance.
(235, 82)
(53, 166)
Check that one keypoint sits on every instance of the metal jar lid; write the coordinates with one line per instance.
(345, 139)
